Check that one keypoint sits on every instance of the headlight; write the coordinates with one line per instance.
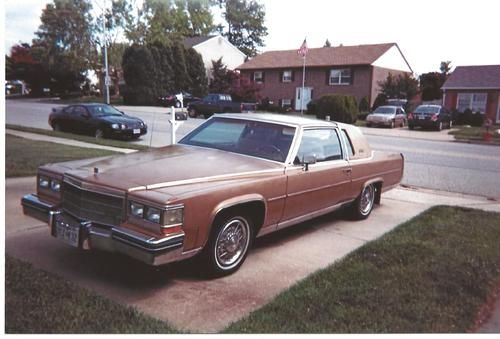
(153, 215)
(55, 185)
(137, 210)
(123, 126)
(173, 217)
(43, 182)
(115, 126)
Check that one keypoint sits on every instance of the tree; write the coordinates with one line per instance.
(222, 78)
(139, 72)
(181, 75)
(244, 24)
(327, 43)
(21, 65)
(197, 73)
(430, 85)
(64, 44)
(399, 87)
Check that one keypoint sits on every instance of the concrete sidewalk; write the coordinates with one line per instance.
(64, 141)
(179, 295)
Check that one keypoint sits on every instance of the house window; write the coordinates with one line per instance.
(476, 102)
(258, 77)
(286, 103)
(287, 76)
(340, 76)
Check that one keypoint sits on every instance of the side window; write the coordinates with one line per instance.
(69, 110)
(79, 110)
(348, 142)
(324, 144)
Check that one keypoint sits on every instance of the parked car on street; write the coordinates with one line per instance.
(430, 116)
(218, 103)
(170, 100)
(390, 116)
(99, 120)
(234, 178)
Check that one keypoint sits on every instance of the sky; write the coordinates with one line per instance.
(464, 32)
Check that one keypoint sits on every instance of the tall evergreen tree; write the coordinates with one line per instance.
(196, 72)
(139, 73)
(181, 76)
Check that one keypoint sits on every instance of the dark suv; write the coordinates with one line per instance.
(430, 116)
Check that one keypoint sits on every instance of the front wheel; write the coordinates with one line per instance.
(99, 133)
(228, 245)
(363, 205)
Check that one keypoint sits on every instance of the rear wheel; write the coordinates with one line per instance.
(439, 126)
(228, 245)
(393, 124)
(177, 104)
(363, 205)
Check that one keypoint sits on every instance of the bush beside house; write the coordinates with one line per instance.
(341, 108)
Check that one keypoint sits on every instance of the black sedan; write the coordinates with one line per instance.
(100, 120)
(430, 116)
(170, 100)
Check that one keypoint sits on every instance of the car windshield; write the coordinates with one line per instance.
(255, 138)
(427, 109)
(100, 110)
(385, 110)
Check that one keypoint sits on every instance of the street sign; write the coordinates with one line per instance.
(107, 80)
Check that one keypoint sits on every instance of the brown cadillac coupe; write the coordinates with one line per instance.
(234, 178)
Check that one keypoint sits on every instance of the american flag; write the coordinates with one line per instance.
(303, 49)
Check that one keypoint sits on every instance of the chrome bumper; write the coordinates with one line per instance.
(142, 247)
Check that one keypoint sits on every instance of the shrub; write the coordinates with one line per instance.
(468, 118)
(339, 107)
(312, 107)
(364, 105)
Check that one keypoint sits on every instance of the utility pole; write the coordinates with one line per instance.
(107, 79)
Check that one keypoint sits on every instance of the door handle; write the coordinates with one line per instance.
(347, 170)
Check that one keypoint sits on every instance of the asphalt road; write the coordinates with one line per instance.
(435, 164)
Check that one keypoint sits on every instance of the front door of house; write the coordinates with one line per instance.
(302, 101)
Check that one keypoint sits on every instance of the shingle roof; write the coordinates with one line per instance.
(474, 77)
(190, 42)
(325, 56)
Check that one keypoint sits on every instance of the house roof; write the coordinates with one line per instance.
(474, 77)
(190, 42)
(325, 56)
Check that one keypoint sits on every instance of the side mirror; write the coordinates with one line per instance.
(54, 109)
(309, 159)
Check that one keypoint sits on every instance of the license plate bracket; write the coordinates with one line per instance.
(137, 131)
(67, 231)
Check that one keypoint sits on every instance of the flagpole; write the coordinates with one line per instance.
(303, 84)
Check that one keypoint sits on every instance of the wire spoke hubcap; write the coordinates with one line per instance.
(367, 198)
(232, 243)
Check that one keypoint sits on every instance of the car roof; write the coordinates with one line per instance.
(299, 121)
(429, 106)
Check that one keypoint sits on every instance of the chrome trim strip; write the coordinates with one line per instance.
(276, 198)
(319, 188)
(213, 178)
(80, 184)
(312, 215)
(375, 175)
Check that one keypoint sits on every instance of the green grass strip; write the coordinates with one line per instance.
(39, 302)
(473, 133)
(429, 275)
(84, 138)
(23, 156)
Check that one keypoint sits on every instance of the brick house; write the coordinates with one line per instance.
(348, 70)
(476, 88)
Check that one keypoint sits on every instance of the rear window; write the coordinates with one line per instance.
(385, 110)
(427, 109)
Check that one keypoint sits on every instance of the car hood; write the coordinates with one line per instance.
(165, 167)
(119, 119)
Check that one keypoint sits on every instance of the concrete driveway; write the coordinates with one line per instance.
(179, 295)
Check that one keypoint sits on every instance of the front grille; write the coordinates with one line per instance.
(92, 206)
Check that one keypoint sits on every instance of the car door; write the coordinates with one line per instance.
(80, 119)
(316, 187)
(399, 117)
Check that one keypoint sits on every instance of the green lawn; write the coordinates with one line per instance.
(23, 156)
(473, 133)
(79, 137)
(40, 302)
(429, 275)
